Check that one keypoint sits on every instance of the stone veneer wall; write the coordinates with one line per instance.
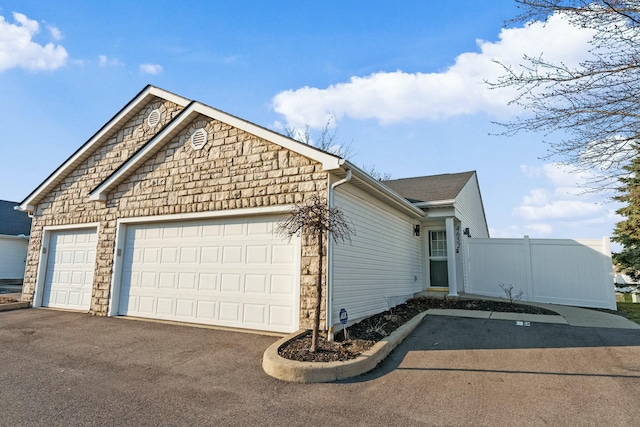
(233, 170)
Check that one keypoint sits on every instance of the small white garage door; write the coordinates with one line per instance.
(69, 273)
(231, 272)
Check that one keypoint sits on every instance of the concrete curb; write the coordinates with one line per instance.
(14, 305)
(323, 372)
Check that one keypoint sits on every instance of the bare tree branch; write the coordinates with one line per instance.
(595, 104)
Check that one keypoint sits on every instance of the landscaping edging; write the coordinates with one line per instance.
(323, 372)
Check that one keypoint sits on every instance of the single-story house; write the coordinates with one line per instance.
(168, 212)
(14, 241)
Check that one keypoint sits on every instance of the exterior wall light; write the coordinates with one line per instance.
(416, 230)
(466, 232)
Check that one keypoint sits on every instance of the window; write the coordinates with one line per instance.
(438, 243)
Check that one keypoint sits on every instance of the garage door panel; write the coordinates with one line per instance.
(233, 230)
(207, 282)
(257, 254)
(280, 315)
(68, 277)
(255, 284)
(230, 283)
(147, 305)
(187, 281)
(209, 254)
(206, 310)
(230, 311)
(254, 313)
(281, 284)
(232, 255)
(281, 254)
(222, 272)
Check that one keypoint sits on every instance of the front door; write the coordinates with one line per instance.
(438, 269)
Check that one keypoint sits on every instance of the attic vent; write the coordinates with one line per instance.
(154, 118)
(198, 139)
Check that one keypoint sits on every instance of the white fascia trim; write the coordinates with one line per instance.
(382, 190)
(169, 96)
(80, 155)
(443, 212)
(437, 203)
(71, 226)
(267, 210)
(329, 161)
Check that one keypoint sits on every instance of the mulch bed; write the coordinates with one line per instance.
(365, 334)
(7, 300)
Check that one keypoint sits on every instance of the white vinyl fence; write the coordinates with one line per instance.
(560, 271)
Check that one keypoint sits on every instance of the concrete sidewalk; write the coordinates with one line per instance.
(572, 316)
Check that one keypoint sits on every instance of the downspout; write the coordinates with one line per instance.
(330, 244)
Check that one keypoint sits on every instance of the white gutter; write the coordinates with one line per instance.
(329, 305)
(436, 203)
(392, 198)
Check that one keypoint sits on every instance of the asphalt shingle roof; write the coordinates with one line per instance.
(12, 222)
(430, 188)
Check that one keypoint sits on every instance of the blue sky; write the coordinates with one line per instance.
(403, 81)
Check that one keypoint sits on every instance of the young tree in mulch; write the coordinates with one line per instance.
(316, 218)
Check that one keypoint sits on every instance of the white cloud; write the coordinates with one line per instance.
(391, 97)
(105, 61)
(55, 32)
(154, 69)
(540, 230)
(558, 209)
(18, 49)
(563, 198)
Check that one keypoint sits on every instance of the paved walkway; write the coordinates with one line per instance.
(573, 316)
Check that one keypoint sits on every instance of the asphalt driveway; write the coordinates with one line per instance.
(60, 368)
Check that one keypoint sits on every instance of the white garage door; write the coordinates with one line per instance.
(232, 272)
(69, 274)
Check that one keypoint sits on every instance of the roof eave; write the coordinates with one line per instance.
(384, 192)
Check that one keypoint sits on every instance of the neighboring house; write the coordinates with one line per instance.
(169, 211)
(15, 227)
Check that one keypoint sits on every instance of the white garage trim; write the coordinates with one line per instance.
(44, 258)
(267, 210)
(193, 296)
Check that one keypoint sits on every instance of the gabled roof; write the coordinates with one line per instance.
(434, 188)
(12, 222)
(194, 109)
(399, 193)
(127, 112)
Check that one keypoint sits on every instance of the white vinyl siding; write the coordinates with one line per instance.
(469, 210)
(381, 266)
(470, 213)
(227, 272)
(13, 252)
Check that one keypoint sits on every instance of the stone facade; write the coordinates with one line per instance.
(235, 169)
